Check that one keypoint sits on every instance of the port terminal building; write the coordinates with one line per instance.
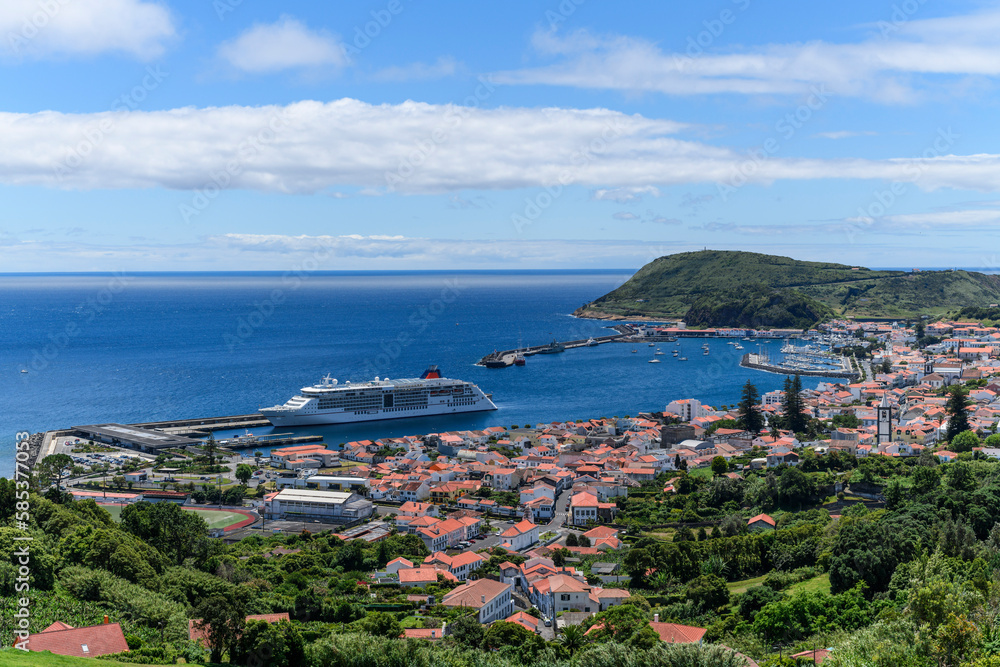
(143, 439)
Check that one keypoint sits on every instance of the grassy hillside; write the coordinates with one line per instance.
(10, 657)
(731, 288)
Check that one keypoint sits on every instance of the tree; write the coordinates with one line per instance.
(243, 473)
(573, 638)
(559, 557)
(583, 541)
(222, 618)
(964, 442)
(165, 526)
(265, 644)
(618, 623)
(210, 448)
(719, 466)
(751, 419)
(52, 467)
(957, 410)
(572, 540)
(118, 481)
(467, 631)
(381, 624)
(502, 634)
(708, 591)
(925, 479)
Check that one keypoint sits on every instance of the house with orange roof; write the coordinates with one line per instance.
(525, 620)
(519, 536)
(420, 576)
(674, 633)
(432, 634)
(585, 508)
(397, 564)
(761, 522)
(492, 600)
(87, 642)
(460, 565)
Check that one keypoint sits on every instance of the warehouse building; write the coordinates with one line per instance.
(326, 506)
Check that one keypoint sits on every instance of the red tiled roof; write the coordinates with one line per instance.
(423, 633)
(672, 633)
(762, 517)
(97, 639)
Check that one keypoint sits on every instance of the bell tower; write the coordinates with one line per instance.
(884, 420)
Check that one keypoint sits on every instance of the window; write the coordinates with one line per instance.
(86, 649)
(564, 597)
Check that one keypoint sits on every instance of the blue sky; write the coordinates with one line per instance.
(228, 134)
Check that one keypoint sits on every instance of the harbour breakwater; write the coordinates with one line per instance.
(755, 362)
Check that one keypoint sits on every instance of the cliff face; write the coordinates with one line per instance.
(732, 288)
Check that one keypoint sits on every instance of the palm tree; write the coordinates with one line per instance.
(573, 638)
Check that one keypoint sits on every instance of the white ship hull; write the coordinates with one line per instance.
(374, 415)
(332, 403)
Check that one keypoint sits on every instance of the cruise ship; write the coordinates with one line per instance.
(332, 403)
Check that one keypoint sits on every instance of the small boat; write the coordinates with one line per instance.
(683, 358)
(23, 370)
(591, 342)
(659, 352)
(634, 351)
(671, 339)
(738, 346)
(552, 348)
(705, 351)
(519, 359)
(654, 361)
(652, 344)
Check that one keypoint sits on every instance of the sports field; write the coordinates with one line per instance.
(214, 518)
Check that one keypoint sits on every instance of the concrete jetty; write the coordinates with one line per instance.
(506, 357)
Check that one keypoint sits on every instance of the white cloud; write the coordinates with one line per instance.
(625, 215)
(413, 147)
(35, 29)
(442, 68)
(285, 44)
(624, 195)
(949, 218)
(885, 68)
(844, 134)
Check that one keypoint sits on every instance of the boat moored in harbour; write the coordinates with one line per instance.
(330, 402)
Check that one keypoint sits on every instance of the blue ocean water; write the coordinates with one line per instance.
(145, 347)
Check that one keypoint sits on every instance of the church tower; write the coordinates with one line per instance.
(884, 420)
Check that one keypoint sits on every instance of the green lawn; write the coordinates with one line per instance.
(15, 658)
(701, 472)
(820, 584)
(214, 518)
(742, 586)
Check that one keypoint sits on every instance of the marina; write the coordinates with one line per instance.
(813, 358)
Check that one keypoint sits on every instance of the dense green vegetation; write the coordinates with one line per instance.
(731, 288)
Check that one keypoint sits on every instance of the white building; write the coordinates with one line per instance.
(492, 599)
(302, 504)
(687, 409)
(519, 536)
